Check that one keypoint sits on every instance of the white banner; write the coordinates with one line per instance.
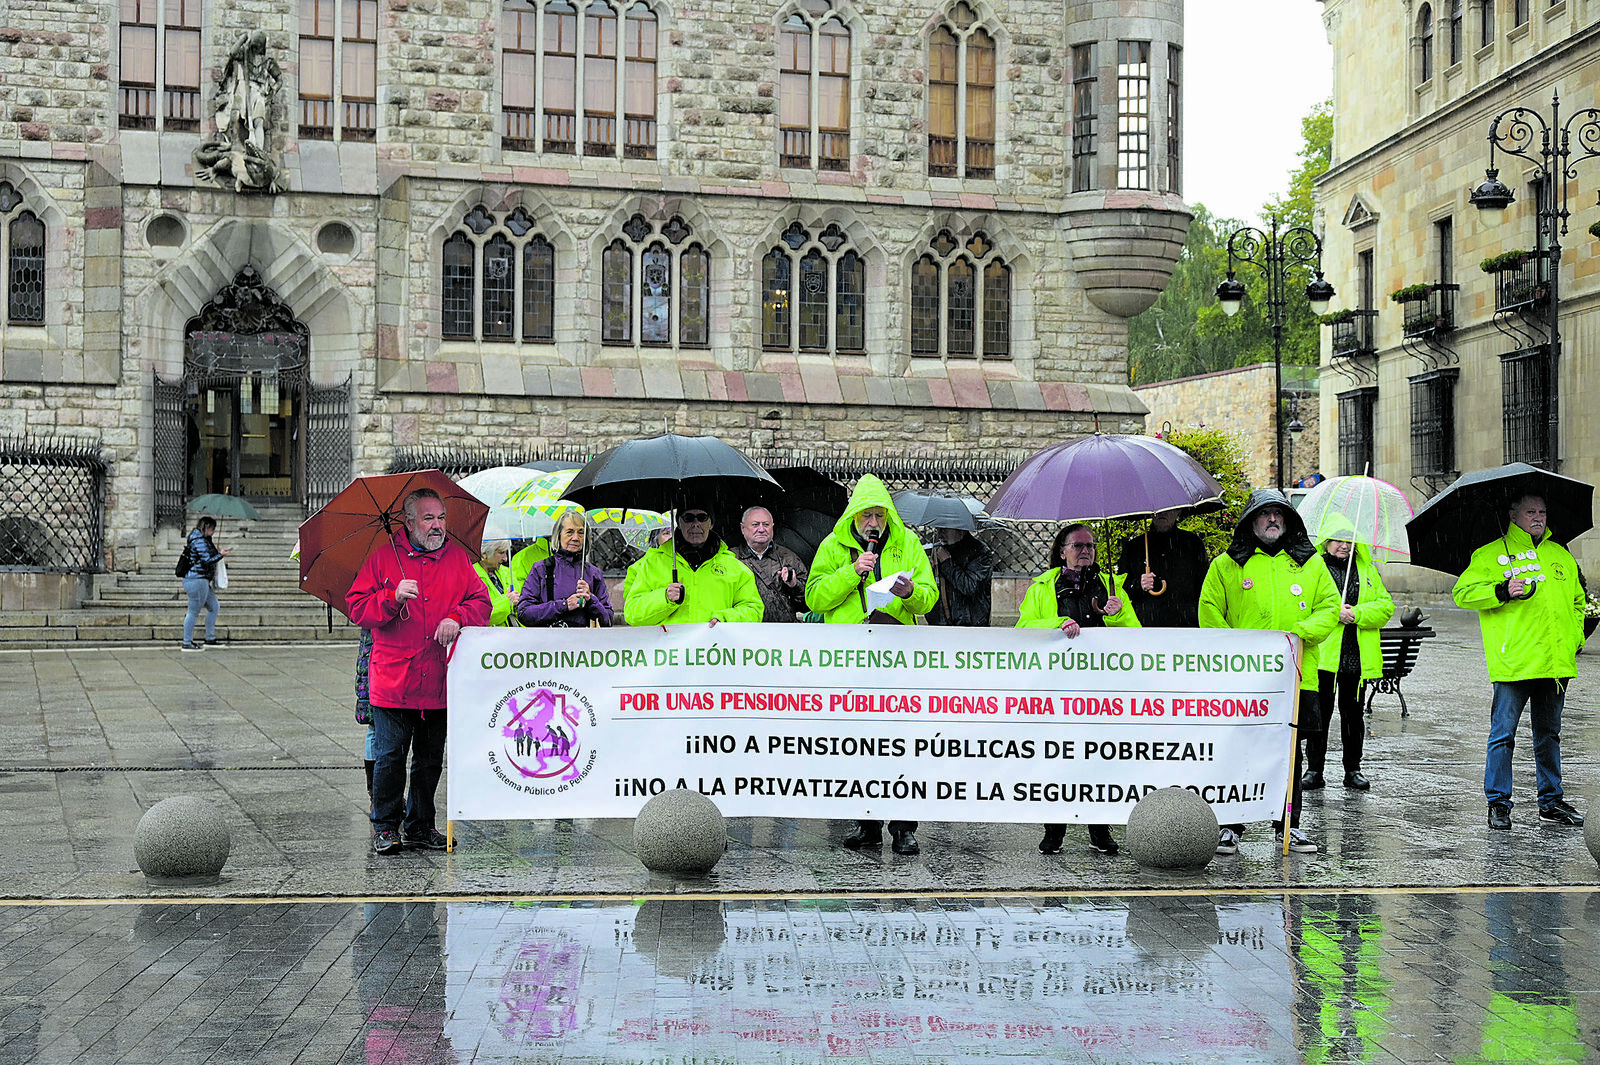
(834, 721)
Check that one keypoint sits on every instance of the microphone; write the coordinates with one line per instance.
(875, 542)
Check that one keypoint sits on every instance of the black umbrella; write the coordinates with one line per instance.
(1473, 510)
(664, 472)
(806, 509)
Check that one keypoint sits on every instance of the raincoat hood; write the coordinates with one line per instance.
(870, 491)
(1339, 528)
(1296, 544)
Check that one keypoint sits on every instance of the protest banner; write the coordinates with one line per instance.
(826, 721)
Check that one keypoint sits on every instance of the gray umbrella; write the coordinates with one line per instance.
(934, 510)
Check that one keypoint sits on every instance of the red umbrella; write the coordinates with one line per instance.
(336, 540)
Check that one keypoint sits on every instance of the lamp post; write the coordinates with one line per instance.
(1273, 253)
(1554, 167)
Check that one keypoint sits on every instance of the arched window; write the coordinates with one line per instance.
(22, 250)
(497, 280)
(814, 89)
(158, 55)
(557, 67)
(961, 88)
(338, 69)
(813, 293)
(1425, 43)
(656, 276)
(961, 300)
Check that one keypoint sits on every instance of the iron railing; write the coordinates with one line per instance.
(52, 510)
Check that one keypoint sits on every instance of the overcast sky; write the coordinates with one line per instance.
(1255, 67)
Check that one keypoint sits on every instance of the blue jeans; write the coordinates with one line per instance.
(201, 597)
(423, 731)
(1544, 698)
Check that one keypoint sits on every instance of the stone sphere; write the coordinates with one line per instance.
(1172, 829)
(680, 831)
(1591, 836)
(183, 838)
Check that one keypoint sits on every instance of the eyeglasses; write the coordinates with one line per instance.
(697, 517)
(1081, 547)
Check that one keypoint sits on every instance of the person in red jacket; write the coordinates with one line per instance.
(415, 595)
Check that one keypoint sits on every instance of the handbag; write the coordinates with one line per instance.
(185, 560)
(219, 577)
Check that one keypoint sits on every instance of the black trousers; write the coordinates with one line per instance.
(1352, 723)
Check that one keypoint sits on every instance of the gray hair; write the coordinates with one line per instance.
(574, 515)
(491, 546)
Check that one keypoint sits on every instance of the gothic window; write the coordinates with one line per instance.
(1133, 114)
(961, 300)
(22, 251)
(1425, 44)
(497, 280)
(813, 293)
(339, 69)
(814, 89)
(557, 66)
(159, 53)
(659, 277)
(961, 86)
(1085, 117)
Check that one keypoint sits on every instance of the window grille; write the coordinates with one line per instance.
(1356, 424)
(1433, 423)
(52, 514)
(1528, 406)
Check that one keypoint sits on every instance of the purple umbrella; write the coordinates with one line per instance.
(1105, 476)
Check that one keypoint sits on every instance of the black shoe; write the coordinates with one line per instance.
(906, 843)
(1357, 781)
(1559, 813)
(1053, 835)
(385, 841)
(1312, 781)
(867, 834)
(431, 840)
(1500, 815)
(1100, 839)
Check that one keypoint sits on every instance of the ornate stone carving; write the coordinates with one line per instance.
(236, 155)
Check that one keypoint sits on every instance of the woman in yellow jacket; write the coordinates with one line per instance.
(495, 573)
(1347, 659)
(1072, 596)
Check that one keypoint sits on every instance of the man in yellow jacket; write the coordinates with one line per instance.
(693, 577)
(868, 543)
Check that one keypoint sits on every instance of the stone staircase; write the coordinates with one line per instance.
(262, 603)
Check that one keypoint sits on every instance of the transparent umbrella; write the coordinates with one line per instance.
(1362, 509)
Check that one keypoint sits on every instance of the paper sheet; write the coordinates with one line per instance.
(878, 593)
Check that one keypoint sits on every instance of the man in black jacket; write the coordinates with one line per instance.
(963, 566)
(1177, 558)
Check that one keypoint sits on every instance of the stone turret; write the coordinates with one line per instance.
(1125, 217)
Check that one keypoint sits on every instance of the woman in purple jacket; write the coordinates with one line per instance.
(563, 591)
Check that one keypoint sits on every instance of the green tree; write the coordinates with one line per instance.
(1185, 332)
(1219, 452)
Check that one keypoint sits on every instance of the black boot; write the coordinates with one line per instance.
(905, 842)
(1100, 839)
(867, 834)
(1053, 835)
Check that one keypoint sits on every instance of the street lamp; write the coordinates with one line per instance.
(1273, 252)
(1553, 169)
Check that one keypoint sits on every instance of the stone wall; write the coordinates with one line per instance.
(1239, 401)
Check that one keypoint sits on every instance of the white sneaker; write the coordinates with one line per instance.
(1227, 842)
(1300, 843)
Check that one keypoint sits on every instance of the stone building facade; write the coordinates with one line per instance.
(1460, 377)
(277, 240)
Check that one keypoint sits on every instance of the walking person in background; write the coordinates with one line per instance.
(1350, 656)
(203, 554)
(1074, 595)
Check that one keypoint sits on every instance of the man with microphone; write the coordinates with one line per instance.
(868, 543)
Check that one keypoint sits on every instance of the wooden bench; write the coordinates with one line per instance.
(1400, 647)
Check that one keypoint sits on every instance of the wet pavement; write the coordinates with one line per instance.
(1418, 935)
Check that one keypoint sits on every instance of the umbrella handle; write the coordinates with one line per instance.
(1154, 591)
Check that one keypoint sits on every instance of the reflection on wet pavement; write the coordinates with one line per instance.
(1464, 977)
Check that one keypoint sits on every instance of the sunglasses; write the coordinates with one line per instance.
(1081, 547)
(697, 517)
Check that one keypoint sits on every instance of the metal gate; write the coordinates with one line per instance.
(328, 450)
(171, 452)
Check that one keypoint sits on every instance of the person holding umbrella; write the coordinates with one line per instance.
(690, 578)
(416, 594)
(565, 590)
(1524, 586)
(1347, 659)
(1271, 577)
(869, 543)
(1162, 573)
(203, 555)
(1074, 595)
